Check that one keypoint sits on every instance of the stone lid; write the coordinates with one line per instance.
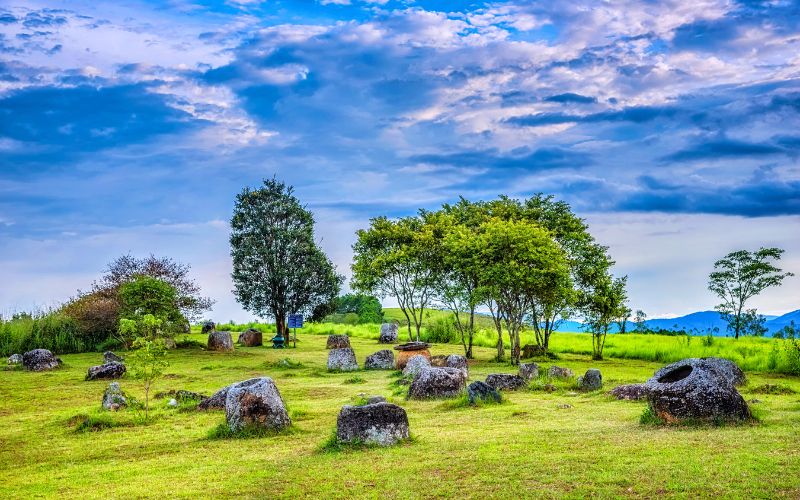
(412, 346)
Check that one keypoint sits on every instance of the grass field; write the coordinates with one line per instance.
(526, 447)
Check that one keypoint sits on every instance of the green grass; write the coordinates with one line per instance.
(528, 446)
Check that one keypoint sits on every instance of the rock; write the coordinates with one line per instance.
(173, 403)
(220, 341)
(217, 400)
(458, 361)
(731, 370)
(532, 350)
(342, 359)
(564, 406)
(381, 360)
(39, 360)
(109, 357)
(482, 391)
(632, 392)
(208, 327)
(409, 350)
(14, 359)
(379, 423)
(338, 342)
(256, 402)
(170, 343)
(505, 381)
(113, 397)
(110, 370)
(415, 365)
(528, 371)
(592, 380)
(375, 399)
(437, 383)
(755, 401)
(558, 372)
(697, 390)
(388, 333)
(182, 396)
(439, 361)
(251, 338)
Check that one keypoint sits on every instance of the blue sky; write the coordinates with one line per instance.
(672, 127)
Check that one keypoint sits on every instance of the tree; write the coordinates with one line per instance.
(604, 302)
(146, 363)
(393, 258)
(640, 321)
(521, 264)
(367, 307)
(739, 276)
(278, 269)
(622, 320)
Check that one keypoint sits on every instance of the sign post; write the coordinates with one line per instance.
(295, 321)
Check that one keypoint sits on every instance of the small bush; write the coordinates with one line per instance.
(463, 402)
(649, 417)
(441, 331)
(283, 364)
(187, 343)
(355, 379)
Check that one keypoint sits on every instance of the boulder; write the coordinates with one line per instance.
(729, 369)
(388, 333)
(40, 360)
(375, 399)
(482, 391)
(342, 360)
(505, 381)
(439, 361)
(381, 360)
(458, 361)
(251, 338)
(217, 400)
(14, 359)
(113, 397)
(106, 371)
(592, 380)
(529, 371)
(220, 341)
(415, 365)
(632, 392)
(172, 403)
(532, 350)
(256, 402)
(382, 423)
(409, 350)
(208, 327)
(109, 357)
(437, 383)
(338, 342)
(558, 372)
(182, 396)
(695, 389)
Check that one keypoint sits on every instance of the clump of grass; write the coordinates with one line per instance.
(95, 422)
(772, 389)
(211, 367)
(355, 379)
(283, 364)
(649, 417)
(464, 402)
(399, 386)
(334, 445)
(223, 431)
(298, 414)
(187, 343)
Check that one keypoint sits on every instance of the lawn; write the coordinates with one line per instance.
(527, 446)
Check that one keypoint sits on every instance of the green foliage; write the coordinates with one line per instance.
(54, 331)
(355, 379)
(649, 417)
(278, 269)
(739, 276)
(223, 431)
(147, 295)
(355, 309)
(441, 330)
(603, 303)
(146, 363)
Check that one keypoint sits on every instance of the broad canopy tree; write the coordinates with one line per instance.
(278, 269)
(740, 276)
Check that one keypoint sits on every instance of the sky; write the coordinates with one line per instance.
(672, 127)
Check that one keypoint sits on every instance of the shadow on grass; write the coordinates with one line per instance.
(334, 445)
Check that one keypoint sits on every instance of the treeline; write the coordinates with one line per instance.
(530, 262)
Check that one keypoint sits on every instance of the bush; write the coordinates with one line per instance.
(54, 331)
(441, 331)
(97, 315)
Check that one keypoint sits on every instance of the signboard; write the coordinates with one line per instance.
(295, 321)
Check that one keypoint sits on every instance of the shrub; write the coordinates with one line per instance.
(54, 331)
(441, 331)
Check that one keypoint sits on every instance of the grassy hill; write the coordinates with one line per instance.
(535, 444)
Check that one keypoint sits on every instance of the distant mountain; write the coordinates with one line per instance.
(779, 322)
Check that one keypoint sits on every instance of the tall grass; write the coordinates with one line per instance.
(52, 331)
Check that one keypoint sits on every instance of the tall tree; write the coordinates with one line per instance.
(622, 319)
(393, 258)
(278, 269)
(738, 277)
(640, 320)
(604, 302)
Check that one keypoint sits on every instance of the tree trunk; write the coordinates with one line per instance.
(471, 331)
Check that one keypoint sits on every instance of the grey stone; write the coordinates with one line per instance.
(173, 403)
(251, 338)
(592, 380)
(695, 389)
(729, 369)
(388, 333)
(437, 383)
(381, 360)
(559, 372)
(529, 371)
(415, 365)
(40, 360)
(380, 423)
(14, 359)
(109, 356)
(113, 397)
(208, 327)
(439, 361)
(505, 381)
(532, 350)
(106, 371)
(256, 402)
(375, 399)
(631, 392)
(482, 391)
(342, 359)
(220, 341)
(217, 400)
(337, 342)
(458, 361)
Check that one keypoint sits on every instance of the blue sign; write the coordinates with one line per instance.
(295, 321)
